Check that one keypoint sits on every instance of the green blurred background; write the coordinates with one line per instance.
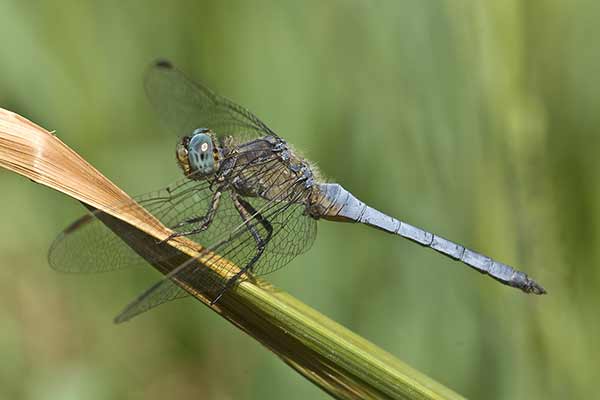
(476, 120)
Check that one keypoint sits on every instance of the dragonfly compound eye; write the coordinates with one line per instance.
(200, 154)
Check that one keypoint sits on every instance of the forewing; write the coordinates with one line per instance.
(88, 245)
(184, 105)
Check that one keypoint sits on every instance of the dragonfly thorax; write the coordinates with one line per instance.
(199, 154)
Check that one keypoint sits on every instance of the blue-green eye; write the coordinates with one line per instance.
(200, 153)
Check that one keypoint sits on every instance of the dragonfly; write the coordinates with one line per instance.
(246, 196)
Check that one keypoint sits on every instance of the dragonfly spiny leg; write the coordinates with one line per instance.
(248, 213)
(204, 220)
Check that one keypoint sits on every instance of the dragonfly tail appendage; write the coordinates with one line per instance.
(340, 205)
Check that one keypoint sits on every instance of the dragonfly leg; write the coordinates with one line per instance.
(248, 214)
(203, 221)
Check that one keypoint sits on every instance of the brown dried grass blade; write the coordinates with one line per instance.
(338, 361)
(32, 151)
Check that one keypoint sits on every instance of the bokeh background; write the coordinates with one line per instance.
(476, 120)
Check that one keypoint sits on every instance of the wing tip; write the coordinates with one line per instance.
(163, 63)
(119, 319)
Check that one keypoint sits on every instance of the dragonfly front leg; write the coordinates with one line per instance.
(203, 221)
(248, 214)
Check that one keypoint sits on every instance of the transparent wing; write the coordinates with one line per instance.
(87, 245)
(293, 232)
(184, 105)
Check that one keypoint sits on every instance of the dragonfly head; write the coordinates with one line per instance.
(198, 155)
